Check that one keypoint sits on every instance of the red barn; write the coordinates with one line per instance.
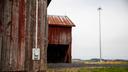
(59, 39)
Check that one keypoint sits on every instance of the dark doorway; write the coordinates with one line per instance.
(56, 53)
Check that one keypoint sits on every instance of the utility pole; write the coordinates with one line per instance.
(99, 9)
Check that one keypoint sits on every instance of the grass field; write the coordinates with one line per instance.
(94, 68)
(108, 62)
(83, 69)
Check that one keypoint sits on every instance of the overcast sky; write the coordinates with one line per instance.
(84, 14)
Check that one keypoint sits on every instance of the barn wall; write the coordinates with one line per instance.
(59, 35)
(17, 35)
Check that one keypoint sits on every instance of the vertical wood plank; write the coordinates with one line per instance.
(6, 24)
(29, 33)
(21, 35)
(14, 36)
(1, 30)
(42, 29)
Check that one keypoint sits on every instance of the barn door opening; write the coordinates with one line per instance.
(57, 53)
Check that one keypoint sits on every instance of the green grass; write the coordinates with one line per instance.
(113, 69)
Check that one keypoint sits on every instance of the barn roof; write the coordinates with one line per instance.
(54, 20)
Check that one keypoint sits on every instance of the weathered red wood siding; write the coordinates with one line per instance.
(17, 35)
(59, 35)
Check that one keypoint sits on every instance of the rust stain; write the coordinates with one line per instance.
(21, 20)
(21, 32)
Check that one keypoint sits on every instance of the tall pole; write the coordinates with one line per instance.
(99, 9)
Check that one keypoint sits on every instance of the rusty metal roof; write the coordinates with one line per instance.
(55, 20)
